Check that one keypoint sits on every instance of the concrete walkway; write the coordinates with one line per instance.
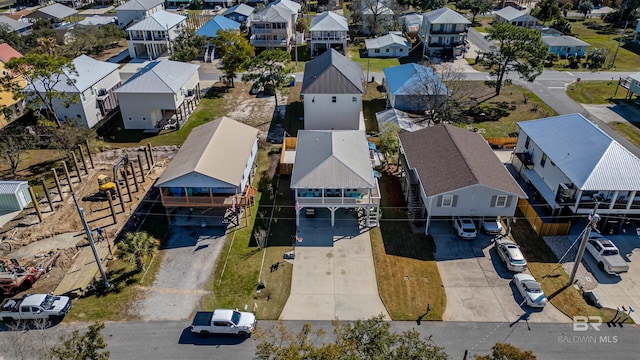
(333, 272)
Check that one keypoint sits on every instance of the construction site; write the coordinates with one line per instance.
(45, 248)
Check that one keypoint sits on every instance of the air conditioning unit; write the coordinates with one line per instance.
(102, 92)
(566, 191)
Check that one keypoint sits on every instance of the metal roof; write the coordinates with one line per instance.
(88, 72)
(139, 5)
(158, 21)
(332, 159)
(242, 9)
(412, 19)
(10, 187)
(272, 14)
(165, 76)
(405, 121)
(329, 21)
(218, 150)
(97, 20)
(563, 40)
(589, 157)
(635, 76)
(332, 73)
(510, 13)
(386, 40)
(445, 15)
(457, 158)
(218, 22)
(57, 11)
(414, 79)
(380, 8)
(294, 7)
(7, 52)
(14, 24)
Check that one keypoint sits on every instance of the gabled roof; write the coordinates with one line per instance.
(218, 22)
(293, 6)
(97, 20)
(332, 73)
(88, 72)
(329, 21)
(242, 9)
(386, 40)
(10, 186)
(218, 150)
(57, 11)
(158, 21)
(589, 157)
(510, 13)
(412, 19)
(14, 24)
(332, 159)
(414, 79)
(381, 9)
(165, 76)
(448, 158)
(563, 40)
(7, 53)
(634, 76)
(445, 15)
(272, 14)
(139, 5)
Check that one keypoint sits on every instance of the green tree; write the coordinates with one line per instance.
(269, 68)
(562, 25)
(475, 7)
(585, 7)
(86, 346)
(596, 58)
(502, 351)
(388, 138)
(187, 45)
(43, 74)
(136, 247)
(568, 6)
(546, 10)
(430, 4)
(519, 50)
(14, 143)
(235, 52)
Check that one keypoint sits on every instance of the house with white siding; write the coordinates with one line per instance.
(378, 12)
(389, 46)
(274, 26)
(444, 33)
(19, 27)
(136, 10)
(516, 17)
(239, 13)
(154, 36)
(328, 31)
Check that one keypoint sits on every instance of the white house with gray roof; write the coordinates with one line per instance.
(19, 27)
(333, 170)
(56, 13)
(163, 93)
(274, 26)
(411, 23)
(572, 164)
(332, 89)
(391, 45)
(136, 10)
(565, 45)
(444, 33)
(239, 13)
(94, 82)
(516, 17)
(154, 35)
(328, 31)
(376, 14)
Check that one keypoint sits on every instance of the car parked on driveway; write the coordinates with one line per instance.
(530, 290)
(606, 254)
(491, 225)
(511, 255)
(465, 227)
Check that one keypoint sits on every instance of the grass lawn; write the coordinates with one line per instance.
(545, 268)
(373, 64)
(406, 272)
(594, 92)
(628, 130)
(372, 102)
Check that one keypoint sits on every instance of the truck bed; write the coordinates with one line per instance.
(202, 318)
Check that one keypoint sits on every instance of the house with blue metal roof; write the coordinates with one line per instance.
(217, 23)
(413, 88)
(572, 164)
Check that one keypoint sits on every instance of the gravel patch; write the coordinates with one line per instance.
(559, 246)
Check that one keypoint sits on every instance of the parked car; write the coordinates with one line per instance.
(35, 307)
(511, 255)
(530, 290)
(465, 227)
(606, 254)
(491, 225)
(256, 89)
(20, 7)
(217, 8)
(224, 321)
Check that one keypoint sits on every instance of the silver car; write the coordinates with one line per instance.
(491, 225)
(511, 255)
(530, 290)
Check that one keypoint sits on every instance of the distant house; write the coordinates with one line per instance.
(444, 33)
(565, 45)
(19, 27)
(98, 20)
(239, 13)
(94, 84)
(516, 17)
(328, 31)
(461, 176)
(274, 26)
(632, 83)
(413, 88)
(390, 45)
(211, 174)
(154, 35)
(411, 23)
(136, 10)
(332, 89)
(162, 93)
(210, 4)
(57, 14)
(14, 195)
(6, 98)
(378, 12)
(332, 170)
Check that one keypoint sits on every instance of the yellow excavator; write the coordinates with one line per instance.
(106, 184)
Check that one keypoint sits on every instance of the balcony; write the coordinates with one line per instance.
(448, 31)
(201, 200)
(274, 43)
(355, 199)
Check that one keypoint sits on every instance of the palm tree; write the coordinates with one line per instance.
(136, 247)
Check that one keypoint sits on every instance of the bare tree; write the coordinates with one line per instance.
(14, 143)
(28, 340)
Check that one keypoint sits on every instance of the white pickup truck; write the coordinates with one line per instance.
(35, 307)
(606, 254)
(223, 321)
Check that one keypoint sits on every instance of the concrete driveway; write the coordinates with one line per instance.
(477, 285)
(333, 272)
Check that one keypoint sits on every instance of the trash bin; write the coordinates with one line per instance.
(373, 79)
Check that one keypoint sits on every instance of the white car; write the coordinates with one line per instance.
(465, 227)
(217, 8)
(491, 225)
(530, 290)
(511, 255)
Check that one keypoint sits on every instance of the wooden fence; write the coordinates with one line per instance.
(542, 228)
(289, 144)
(503, 142)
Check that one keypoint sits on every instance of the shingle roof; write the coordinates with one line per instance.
(589, 157)
(10, 187)
(164, 76)
(552, 40)
(332, 159)
(445, 15)
(386, 40)
(57, 11)
(414, 79)
(510, 13)
(158, 21)
(242, 9)
(329, 21)
(88, 72)
(332, 73)
(14, 24)
(457, 158)
(210, 29)
(139, 5)
(218, 150)
(7, 52)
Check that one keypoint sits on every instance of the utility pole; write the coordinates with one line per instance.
(622, 32)
(593, 220)
(91, 243)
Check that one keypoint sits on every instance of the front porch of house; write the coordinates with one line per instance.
(334, 199)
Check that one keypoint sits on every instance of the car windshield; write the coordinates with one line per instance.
(469, 230)
(235, 318)
(532, 287)
(518, 262)
(47, 303)
(610, 252)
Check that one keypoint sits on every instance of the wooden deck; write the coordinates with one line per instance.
(84, 270)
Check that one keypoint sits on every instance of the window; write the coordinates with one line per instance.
(354, 99)
(501, 201)
(334, 99)
(388, 49)
(4, 72)
(527, 142)
(401, 50)
(447, 200)
(377, 51)
(543, 160)
(92, 91)
(83, 97)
